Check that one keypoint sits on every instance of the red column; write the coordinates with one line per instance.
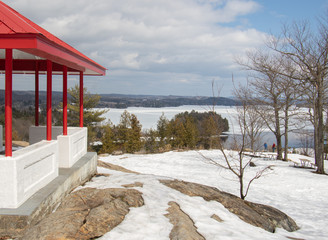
(49, 97)
(81, 99)
(37, 94)
(8, 102)
(64, 100)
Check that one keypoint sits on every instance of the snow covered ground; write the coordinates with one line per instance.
(298, 192)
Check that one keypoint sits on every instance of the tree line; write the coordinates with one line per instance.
(185, 131)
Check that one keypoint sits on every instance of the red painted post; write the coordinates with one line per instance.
(37, 94)
(49, 97)
(8, 102)
(81, 99)
(64, 100)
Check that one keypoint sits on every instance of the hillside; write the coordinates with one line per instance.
(25, 99)
(124, 101)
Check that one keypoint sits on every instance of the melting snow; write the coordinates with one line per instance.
(296, 191)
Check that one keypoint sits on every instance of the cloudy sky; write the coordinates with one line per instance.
(163, 47)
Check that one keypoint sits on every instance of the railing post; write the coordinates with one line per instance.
(49, 98)
(64, 100)
(81, 99)
(37, 94)
(8, 102)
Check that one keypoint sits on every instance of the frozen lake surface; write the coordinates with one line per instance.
(148, 118)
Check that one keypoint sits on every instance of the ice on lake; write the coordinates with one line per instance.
(148, 118)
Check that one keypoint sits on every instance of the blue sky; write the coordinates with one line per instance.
(163, 47)
(273, 13)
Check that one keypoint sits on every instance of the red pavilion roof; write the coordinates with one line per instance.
(33, 43)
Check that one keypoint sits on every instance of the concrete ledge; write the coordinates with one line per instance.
(13, 222)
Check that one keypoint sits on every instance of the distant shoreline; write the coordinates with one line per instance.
(125, 101)
(24, 99)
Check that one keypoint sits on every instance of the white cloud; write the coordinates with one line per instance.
(151, 38)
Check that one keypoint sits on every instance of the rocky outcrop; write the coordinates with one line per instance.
(90, 213)
(114, 167)
(183, 226)
(258, 215)
(87, 214)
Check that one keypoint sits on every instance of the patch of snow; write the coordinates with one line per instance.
(298, 192)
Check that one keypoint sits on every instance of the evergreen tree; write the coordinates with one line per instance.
(134, 143)
(162, 129)
(191, 133)
(177, 133)
(151, 144)
(129, 133)
(192, 129)
(122, 129)
(91, 117)
(211, 130)
(107, 140)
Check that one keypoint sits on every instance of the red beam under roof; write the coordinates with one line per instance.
(18, 32)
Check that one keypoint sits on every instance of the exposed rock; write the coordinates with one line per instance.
(251, 164)
(183, 227)
(103, 155)
(295, 238)
(87, 214)
(136, 184)
(20, 143)
(117, 153)
(275, 216)
(102, 175)
(258, 215)
(114, 167)
(217, 218)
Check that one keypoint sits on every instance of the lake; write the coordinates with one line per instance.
(148, 118)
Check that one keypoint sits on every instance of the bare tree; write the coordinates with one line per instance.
(249, 117)
(306, 141)
(265, 79)
(291, 94)
(308, 51)
(237, 163)
(276, 92)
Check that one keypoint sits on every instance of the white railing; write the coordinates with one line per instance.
(27, 171)
(32, 168)
(71, 147)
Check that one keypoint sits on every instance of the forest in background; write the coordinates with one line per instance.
(23, 100)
